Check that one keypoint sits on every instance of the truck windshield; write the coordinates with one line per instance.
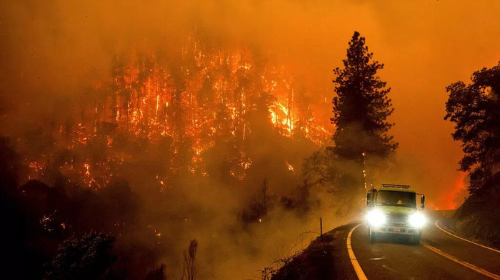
(394, 198)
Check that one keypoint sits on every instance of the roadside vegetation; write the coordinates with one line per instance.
(317, 261)
(474, 108)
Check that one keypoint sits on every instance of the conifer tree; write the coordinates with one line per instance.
(361, 109)
(361, 106)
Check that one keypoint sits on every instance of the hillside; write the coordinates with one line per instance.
(478, 218)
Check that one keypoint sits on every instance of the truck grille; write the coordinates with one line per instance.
(397, 219)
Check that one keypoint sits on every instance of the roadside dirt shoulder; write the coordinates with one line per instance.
(325, 258)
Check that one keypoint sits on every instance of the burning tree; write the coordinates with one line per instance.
(178, 112)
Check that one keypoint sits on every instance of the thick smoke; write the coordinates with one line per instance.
(50, 50)
(53, 53)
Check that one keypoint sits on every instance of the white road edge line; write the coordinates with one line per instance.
(480, 245)
(357, 268)
(466, 264)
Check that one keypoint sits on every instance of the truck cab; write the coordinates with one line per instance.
(393, 211)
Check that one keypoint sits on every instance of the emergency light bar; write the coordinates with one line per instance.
(406, 187)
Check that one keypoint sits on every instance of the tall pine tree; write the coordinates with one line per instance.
(361, 109)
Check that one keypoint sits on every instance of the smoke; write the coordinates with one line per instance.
(52, 53)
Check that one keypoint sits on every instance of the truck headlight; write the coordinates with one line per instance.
(417, 220)
(376, 218)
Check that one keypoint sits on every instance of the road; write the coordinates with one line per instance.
(439, 256)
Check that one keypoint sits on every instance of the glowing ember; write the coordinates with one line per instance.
(290, 167)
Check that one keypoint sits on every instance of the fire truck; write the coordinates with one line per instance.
(393, 211)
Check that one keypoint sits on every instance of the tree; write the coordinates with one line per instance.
(190, 261)
(361, 106)
(303, 102)
(361, 109)
(475, 110)
(157, 274)
(84, 258)
(259, 206)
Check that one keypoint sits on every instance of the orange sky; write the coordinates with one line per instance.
(425, 45)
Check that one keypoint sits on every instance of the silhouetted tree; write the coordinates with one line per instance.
(360, 109)
(319, 168)
(224, 155)
(157, 274)
(190, 261)
(361, 106)
(260, 205)
(118, 86)
(303, 107)
(83, 258)
(324, 170)
(475, 110)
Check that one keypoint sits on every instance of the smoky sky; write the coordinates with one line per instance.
(50, 51)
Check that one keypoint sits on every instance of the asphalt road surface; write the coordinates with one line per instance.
(440, 255)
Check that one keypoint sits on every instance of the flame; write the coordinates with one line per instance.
(452, 199)
(142, 100)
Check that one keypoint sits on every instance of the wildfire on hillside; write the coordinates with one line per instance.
(210, 96)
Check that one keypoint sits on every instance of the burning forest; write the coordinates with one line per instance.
(211, 97)
(160, 135)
